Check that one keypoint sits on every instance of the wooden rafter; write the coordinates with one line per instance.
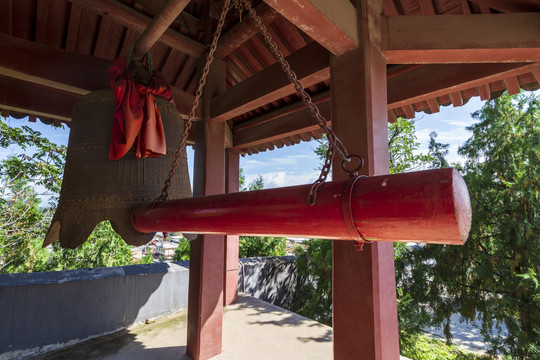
(432, 81)
(138, 22)
(291, 123)
(462, 38)
(510, 6)
(159, 24)
(63, 70)
(27, 98)
(243, 31)
(332, 24)
(311, 66)
(427, 84)
(59, 69)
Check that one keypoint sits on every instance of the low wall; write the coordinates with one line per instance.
(46, 311)
(271, 279)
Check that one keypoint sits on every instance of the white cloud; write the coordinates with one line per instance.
(276, 179)
(445, 136)
(460, 123)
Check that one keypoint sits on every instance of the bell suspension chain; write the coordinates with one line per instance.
(335, 143)
(198, 94)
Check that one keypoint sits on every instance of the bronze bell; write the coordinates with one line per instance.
(95, 189)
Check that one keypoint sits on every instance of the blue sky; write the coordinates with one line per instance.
(295, 165)
(298, 164)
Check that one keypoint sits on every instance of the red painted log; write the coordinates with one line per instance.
(430, 206)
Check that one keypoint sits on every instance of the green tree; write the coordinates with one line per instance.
(181, 253)
(104, 248)
(22, 226)
(23, 223)
(40, 162)
(437, 151)
(251, 246)
(255, 184)
(495, 277)
(313, 298)
(313, 295)
(403, 147)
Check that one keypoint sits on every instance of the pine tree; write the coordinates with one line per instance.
(495, 277)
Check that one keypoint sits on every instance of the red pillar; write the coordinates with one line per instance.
(205, 299)
(364, 289)
(232, 184)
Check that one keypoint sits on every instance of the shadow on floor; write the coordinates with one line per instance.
(118, 346)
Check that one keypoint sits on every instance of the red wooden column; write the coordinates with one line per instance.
(232, 184)
(364, 289)
(205, 299)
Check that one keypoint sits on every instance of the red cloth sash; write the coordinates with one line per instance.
(136, 117)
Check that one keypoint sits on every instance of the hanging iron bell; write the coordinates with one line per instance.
(95, 189)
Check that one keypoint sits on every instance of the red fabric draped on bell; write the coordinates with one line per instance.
(136, 117)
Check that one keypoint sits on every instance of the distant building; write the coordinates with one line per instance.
(137, 252)
(166, 248)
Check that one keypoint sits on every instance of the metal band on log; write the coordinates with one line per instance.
(431, 206)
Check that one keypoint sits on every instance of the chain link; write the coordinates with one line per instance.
(198, 94)
(335, 142)
(312, 195)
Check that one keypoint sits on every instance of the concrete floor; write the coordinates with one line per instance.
(252, 329)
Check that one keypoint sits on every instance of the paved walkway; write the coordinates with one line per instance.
(252, 329)
(466, 335)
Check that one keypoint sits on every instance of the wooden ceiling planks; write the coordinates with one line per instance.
(51, 20)
(107, 28)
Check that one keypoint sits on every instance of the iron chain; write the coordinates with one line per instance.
(198, 94)
(335, 143)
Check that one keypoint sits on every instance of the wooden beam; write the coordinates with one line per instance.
(243, 31)
(291, 108)
(232, 242)
(431, 81)
(462, 38)
(332, 23)
(364, 310)
(512, 85)
(427, 7)
(229, 138)
(485, 92)
(138, 22)
(159, 24)
(423, 85)
(27, 98)
(456, 98)
(289, 125)
(59, 69)
(310, 63)
(205, 299)
(510, 6)
(433, 105)
(64, 70)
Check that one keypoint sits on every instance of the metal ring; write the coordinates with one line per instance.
(355, 170)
